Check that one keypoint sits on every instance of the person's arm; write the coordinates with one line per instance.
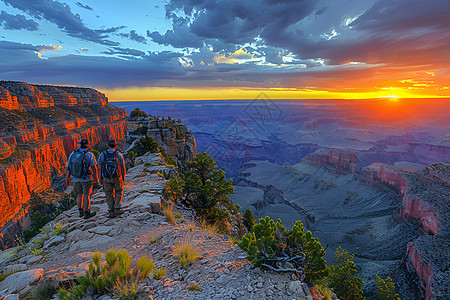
(124, 170)
(67, 177)
(100, 168)
(94, 168)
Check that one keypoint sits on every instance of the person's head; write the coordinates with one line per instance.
(84, 144)
(112, 144)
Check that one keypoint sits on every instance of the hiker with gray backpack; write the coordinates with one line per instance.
(112, 176)
(82, 166)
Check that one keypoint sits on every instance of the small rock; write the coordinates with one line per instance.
(249, 288)
(259, 285)
(223, 279)
(204, 261)
(11, 297)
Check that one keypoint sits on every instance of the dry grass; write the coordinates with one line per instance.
(210, 227)
(186, 253)
(168, 212)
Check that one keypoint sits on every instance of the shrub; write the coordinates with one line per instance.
(63, 294)
(153, 240)
(144, 145)
(159, 273)
(145, 266)
(386, 289)
(115, 275)
(168, 212)
(58, 229)
(186, 254)
(177, 216)
(140, 130)
(195, 288)
(43, 291)
(342, 278)
(272, 246)
(137, 113)
(326, 292)
(2, 276)
(249, 220)
(37, 251)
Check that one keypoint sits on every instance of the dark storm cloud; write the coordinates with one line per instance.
(134, 36)
(17, 22)
(230, 22)
(84, 6)
(61, 15)
(391, 31)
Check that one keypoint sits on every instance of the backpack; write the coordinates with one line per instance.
(110, 165)
(78, 164)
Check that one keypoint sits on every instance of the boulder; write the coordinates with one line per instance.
(19, 281)
(15, 268)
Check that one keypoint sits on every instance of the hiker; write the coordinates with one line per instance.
(112, 176)
(82, 166)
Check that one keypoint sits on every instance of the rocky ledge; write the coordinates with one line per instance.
(221, 268)
(178, 142)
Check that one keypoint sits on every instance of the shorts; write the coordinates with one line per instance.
(82, 187)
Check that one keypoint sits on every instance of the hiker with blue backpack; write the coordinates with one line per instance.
(112, 176)
(82, 166)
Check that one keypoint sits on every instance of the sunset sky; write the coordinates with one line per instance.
(231, 49)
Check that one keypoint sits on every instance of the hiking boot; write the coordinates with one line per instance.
(112, 214)
(81, 212)
(88, 214)
(118, 212)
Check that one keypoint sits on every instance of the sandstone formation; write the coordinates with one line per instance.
(40, 127)
(178, 142)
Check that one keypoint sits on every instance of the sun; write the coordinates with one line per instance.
(391, 98)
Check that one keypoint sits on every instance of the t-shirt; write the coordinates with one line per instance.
(121, 163)
(90, 158)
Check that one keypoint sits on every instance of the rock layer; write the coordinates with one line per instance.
(178, 142)
(37, 137)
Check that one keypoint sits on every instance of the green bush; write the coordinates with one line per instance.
(249, 220)
(2, 276)
(386, 289)
(115, 275)
(186, 254)
(137, 113)
(195, 288)
(144, 145)
(140, 130)
(342, 278)
(159, 273)
(271, 245)
(58, 229)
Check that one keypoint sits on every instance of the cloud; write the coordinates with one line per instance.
(84, 6)
(134, 36)
(61, 15)
(17, 22)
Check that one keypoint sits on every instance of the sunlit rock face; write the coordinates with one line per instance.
(36, 137)
(20, 95)
(178, 142)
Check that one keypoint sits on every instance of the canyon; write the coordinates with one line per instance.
(40, 126)
(386, 215)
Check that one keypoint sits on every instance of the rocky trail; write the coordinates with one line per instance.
(221, 269)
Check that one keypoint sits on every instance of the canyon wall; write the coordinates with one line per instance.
(425, 198)
(40, 127)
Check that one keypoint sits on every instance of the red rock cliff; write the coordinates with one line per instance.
(339, 159)
(36, 140)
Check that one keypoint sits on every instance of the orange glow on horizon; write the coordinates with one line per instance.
(218, 93)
